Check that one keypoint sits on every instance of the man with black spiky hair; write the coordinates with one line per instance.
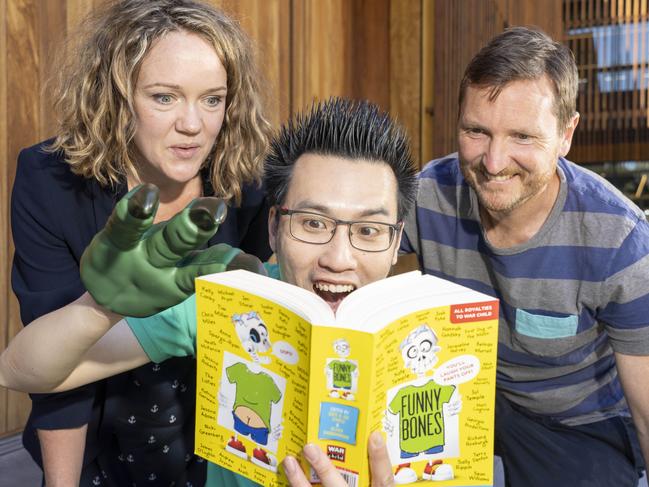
(340, 179)
(338, 146)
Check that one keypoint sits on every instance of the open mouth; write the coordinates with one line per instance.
(333, 294)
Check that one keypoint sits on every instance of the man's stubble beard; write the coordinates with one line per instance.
(490, 201)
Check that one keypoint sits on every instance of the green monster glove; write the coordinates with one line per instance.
(135, 268)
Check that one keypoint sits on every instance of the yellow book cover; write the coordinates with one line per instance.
(413, 356)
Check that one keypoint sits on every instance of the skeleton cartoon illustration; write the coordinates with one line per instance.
(255, 394)
(341, 372)
(418, 412)
(253, 333)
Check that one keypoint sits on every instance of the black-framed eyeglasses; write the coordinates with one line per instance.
(318, 229)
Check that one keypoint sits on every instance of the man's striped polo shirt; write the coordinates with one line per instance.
(574, 293)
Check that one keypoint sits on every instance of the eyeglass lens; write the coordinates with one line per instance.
(319, 229)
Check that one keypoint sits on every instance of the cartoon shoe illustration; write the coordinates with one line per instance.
(348, 396)
(404, 474)
(262, 458)
(436, 470)
(236, 447)
(430, 468)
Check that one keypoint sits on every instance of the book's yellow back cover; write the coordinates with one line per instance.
(339, 397)
(427, 381)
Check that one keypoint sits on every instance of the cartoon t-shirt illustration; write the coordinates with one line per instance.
(342, 371)
(417, 411)
(256, 392)
(421, 417)
(251, 397)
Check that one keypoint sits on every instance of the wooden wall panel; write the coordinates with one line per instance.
(321, 40)
(52, 16)
(614, 123)
(340, 48)
(450, 49)
(369, 57)
(268, 24)
(406, 55)
(406, 64)
(4, 212)
(23, 112)
(546, 15)
(467, 25)
(75, 11)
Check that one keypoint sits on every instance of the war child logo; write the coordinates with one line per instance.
(336, 453)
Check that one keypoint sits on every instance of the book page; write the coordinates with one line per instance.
(252, 382)
(434, 393)
(300, 301)
(372, 307)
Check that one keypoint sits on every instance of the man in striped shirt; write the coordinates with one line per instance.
(565, 252)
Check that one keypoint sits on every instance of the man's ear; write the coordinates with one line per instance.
(567, 134)
(273, 223)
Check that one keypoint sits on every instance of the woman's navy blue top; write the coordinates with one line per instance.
(140, 423)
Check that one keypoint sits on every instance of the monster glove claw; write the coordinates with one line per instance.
(135, 268)
(208, 213)
(143, 201)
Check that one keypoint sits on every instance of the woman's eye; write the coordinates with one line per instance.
(163, 99)
(213, 101)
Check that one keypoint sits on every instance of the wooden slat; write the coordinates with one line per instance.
(410, 80)
(53, 15)
(340, 48)
(633, 38)
(644, 67)
(298, 54)
(605, 151)
(24, 107)
(453, 49)
(4, 200)
(323, 44)
(267, 23)
(547, 15)
(75, 11)
(369, 52)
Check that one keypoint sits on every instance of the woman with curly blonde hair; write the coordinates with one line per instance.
(150, 91)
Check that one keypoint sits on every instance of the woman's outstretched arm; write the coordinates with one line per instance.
(74, 345)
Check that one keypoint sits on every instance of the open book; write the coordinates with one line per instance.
(412, 355)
